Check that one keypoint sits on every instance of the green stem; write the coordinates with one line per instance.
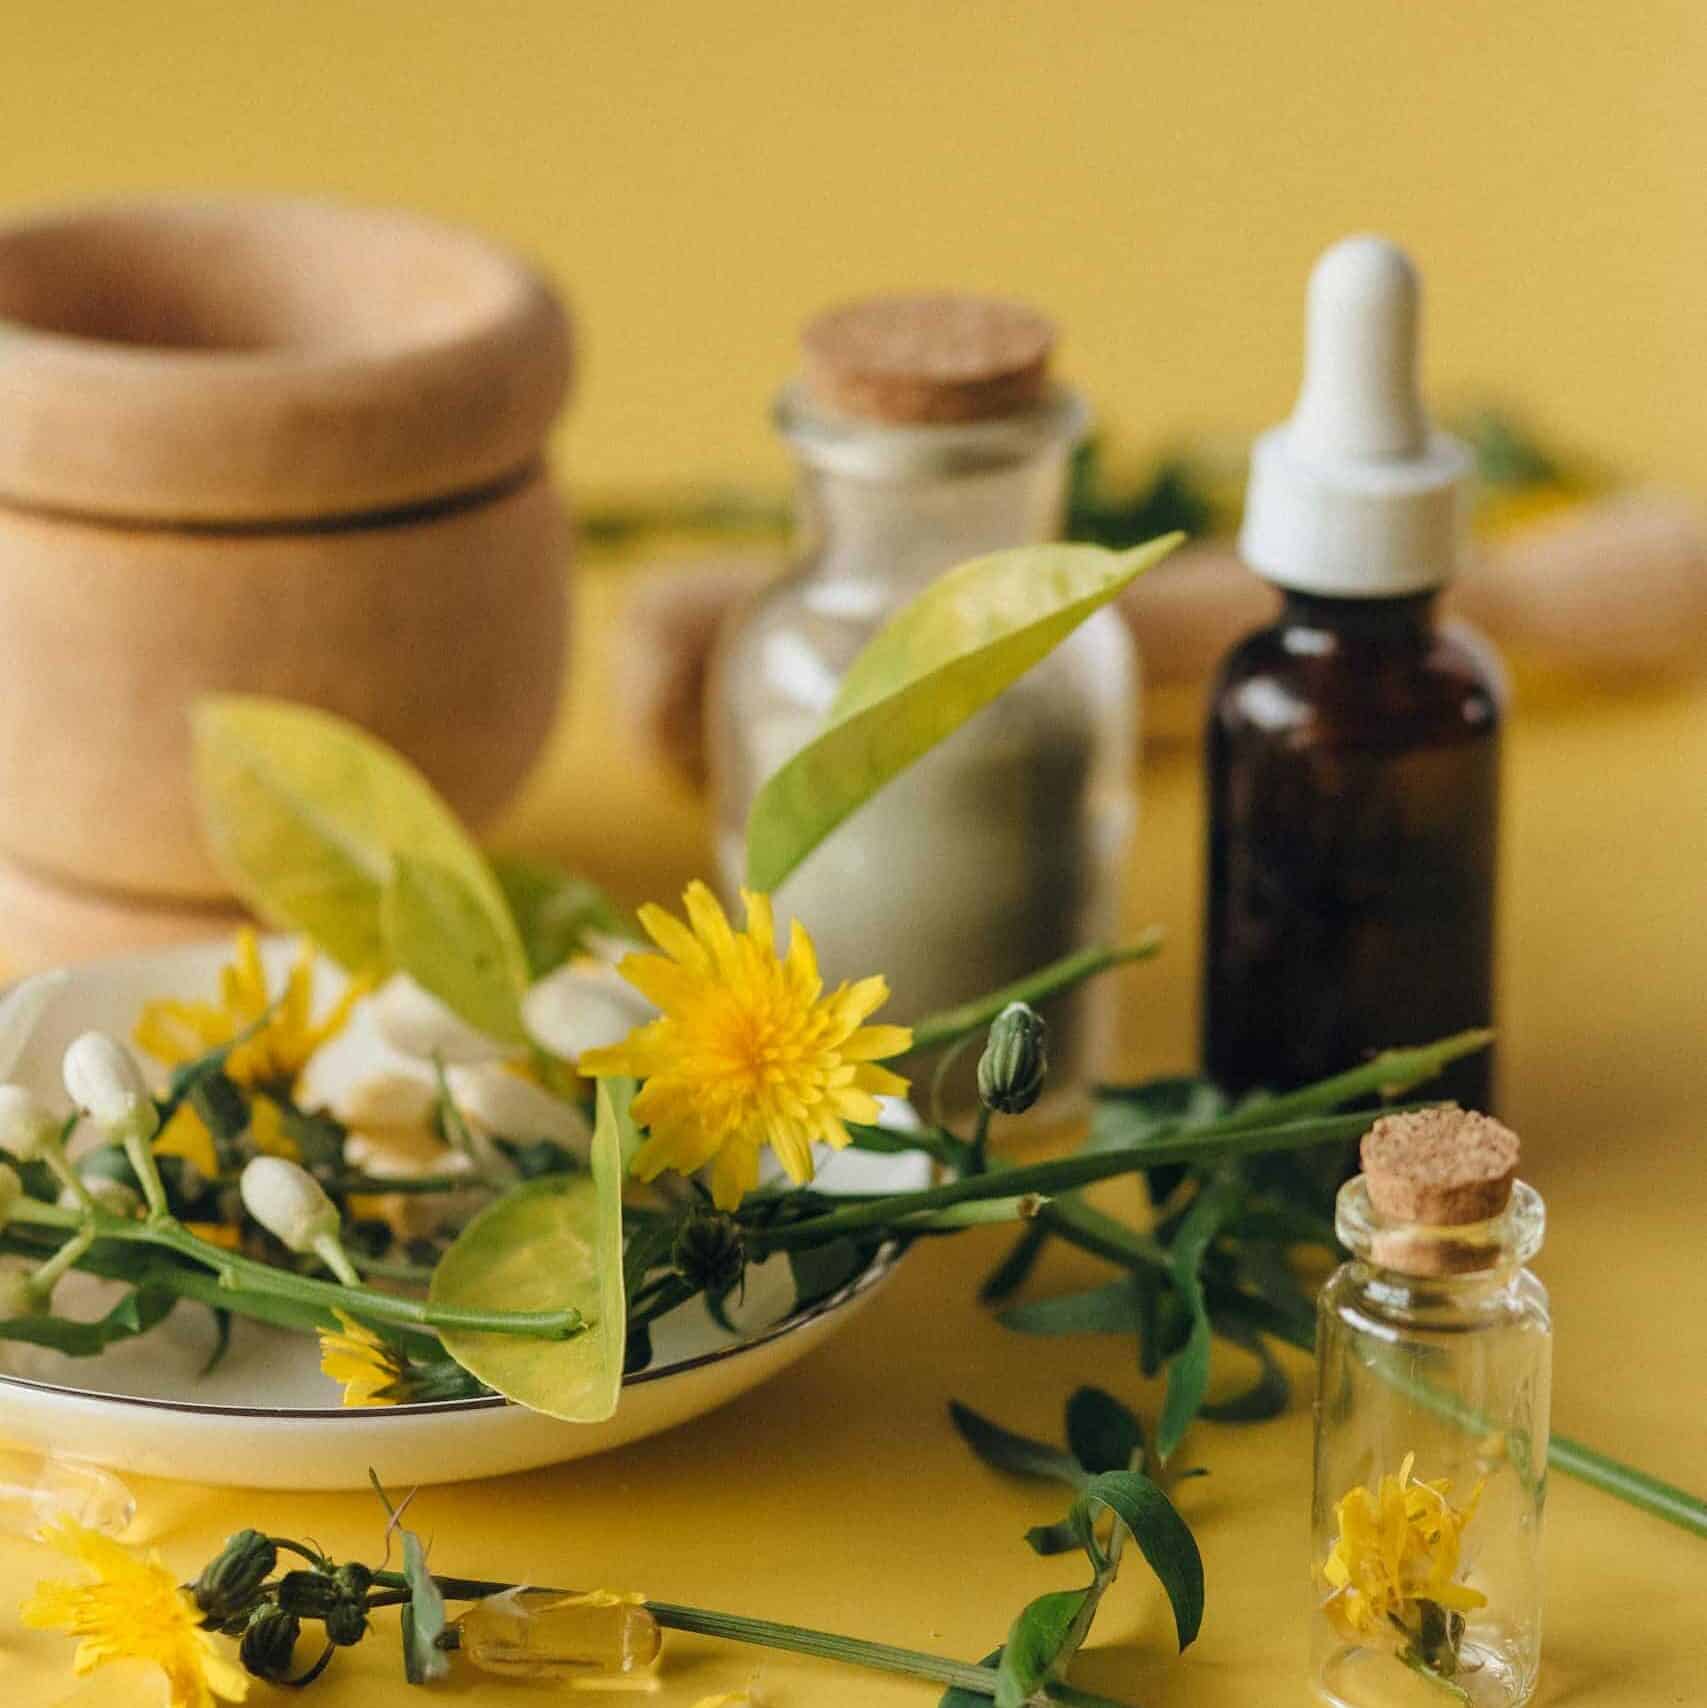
(1106, 1238)
(981, 1212)
(978, 1159)
(1203, 1145)
(952, 1024)
(42, 1279)
(248, 1275)
(764, 1633)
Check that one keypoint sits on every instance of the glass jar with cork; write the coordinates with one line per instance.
(927, 433)
(1434, 1349)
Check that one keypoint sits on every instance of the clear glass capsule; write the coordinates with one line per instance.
(588, 1640)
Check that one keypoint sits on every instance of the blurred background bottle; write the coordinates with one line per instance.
(927, 434)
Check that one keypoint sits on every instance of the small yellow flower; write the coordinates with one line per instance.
(748, 1051)
(360, 1361)
(281, 1039)
(134, 1608)
(1397, 1547)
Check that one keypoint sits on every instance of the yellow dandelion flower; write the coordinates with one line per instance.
(134, 1609)
(748, 1051)
(279, 1038)
(1396, 1547)
(360, 1361)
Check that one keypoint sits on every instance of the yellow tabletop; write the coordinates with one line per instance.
(838, 1495)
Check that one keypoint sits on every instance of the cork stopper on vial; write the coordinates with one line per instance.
(928, 360)
(1435, 1169)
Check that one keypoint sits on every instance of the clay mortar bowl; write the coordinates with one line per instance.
(272, 446)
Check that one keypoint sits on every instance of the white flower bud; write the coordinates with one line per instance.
(288, 1202)
(500, 1104)
(415, 1023)
(17, 1297)
(26, 1128)
(10, 1189)
(103, 1079)
(581, 1007)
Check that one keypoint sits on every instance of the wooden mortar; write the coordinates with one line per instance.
(280, 447)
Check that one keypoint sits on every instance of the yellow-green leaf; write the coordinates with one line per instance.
(437, 930)
(553, 1244)
(306, 814)
(947, 655)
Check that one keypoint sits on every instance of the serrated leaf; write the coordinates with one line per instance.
(1102, 1434)
(1042, 1639)
(1216, 1203)
(438, 930)
(305, 814)
(1003, 1450)
(947, 655)
(1112, 1309)
(1161, 1535)
(554, 1243)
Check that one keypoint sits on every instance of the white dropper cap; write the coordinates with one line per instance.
(1357, 495)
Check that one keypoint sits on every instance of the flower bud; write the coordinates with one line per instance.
(288, 1202)
(18, 1297)
(269, 1642)
(354, 1579)
(113, 1196)
(11, 1188)
(228, 1581)
(708, 1251)
(346, 1624)
(26, 1128)
(1015, 1060)
(313, 1594)
(104, 1081)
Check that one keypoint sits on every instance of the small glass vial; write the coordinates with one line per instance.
(927, 435)
(1434, 1352)
(598, 1638)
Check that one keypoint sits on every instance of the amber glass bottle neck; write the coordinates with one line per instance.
(1409, 614)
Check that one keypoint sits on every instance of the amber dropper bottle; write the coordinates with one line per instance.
(1353, 744)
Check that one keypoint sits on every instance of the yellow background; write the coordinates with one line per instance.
(1159, 176)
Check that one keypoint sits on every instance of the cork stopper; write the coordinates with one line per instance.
(928, 360)
(1444, 1167)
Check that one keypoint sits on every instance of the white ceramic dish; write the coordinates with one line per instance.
(266, 1417)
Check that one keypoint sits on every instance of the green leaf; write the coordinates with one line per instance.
(1267, 1396)
(1112, 1309)
(554, 910)
(958, 1696)
(1019, 1454)
(136, 1313)
(1216, 1203)
(1162, 1538)
(1126, 1117)
(443, 935)
(423, 1617)
(553, 1243)
(1101, 1433)
(966, 638)
(1011, 1273)
(1041, 1641)
(305, 814)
